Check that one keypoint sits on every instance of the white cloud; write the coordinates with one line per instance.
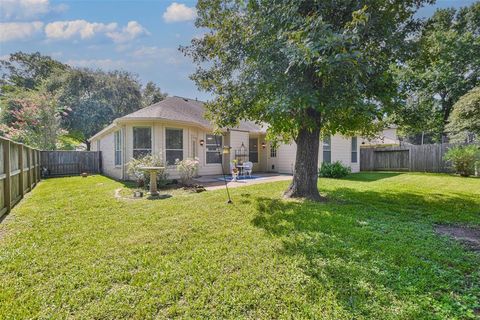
(128, 33)
(27, 9)
(179, 12)
(62, 30)
(19, 30)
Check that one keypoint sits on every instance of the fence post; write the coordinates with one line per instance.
(6, 163)
(29, 171)
(38, 156)
(20, 166)
(37, 160)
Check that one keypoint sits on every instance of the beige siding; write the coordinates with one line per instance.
(341, 151)
(284, 163)
(190, 134)
(236, 140)
(286, 157)
(108, 156)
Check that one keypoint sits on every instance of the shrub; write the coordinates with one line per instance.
(333, 170)
(142, 177)
(463, 159)
(187, 169)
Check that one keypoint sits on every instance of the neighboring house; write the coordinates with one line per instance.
(387, 136)
(175, 128)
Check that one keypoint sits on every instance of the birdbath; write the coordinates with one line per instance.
(153, 178)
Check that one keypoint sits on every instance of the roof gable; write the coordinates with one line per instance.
(184, 110)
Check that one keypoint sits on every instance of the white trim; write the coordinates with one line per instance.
(133, 140)
(206, 148)
(165, 128)
(119, 132)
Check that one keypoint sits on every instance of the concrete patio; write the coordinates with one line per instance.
(212, 182)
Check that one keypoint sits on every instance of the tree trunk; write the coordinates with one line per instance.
(305, 176)
(88, 144)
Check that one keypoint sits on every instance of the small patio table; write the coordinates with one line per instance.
(241, 167)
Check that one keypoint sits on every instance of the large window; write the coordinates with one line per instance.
(253, 150)
(327, 149)
(118, 148)
(173, 145)
(214, 148)
(142, 142)
(354, 150)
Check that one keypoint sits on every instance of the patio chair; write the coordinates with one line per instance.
(247, 168)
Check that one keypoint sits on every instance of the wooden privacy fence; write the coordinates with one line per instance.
(19, 172)
(422, 158)
(65, 163)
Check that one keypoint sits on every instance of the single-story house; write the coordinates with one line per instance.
(175, 128)
(388, 136)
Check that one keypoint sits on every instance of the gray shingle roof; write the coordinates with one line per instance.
(185, 110)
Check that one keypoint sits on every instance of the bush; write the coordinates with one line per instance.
(333, 170)
(187, 169)
(463, 159)
(142, 177)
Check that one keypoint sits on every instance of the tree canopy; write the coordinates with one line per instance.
(84, 100)
(443, 65)
(303, 67)
(28, 70)
(34, 118)
(95, 98)
(152, 94)
(464, 121)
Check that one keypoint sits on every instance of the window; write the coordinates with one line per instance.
(213, 148)
(142, 142)
(273, 151)
(173, 145)
(354, 150)
(253, 150)
(327, 149)
(118, 148)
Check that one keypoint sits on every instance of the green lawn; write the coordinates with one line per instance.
(71, 250)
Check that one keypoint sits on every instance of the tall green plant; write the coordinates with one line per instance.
(464, 159)
(464, 122)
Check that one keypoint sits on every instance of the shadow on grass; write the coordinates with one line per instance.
(369, 176)
(377, 251)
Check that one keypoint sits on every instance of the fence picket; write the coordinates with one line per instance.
(421, 158)
(64, 163)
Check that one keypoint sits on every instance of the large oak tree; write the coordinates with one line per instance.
(304, 67)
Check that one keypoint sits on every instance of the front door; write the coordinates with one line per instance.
(272, 158)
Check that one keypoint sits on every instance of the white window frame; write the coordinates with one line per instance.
(253, 151)
(327, 147)
(133, 140)
(117, 142)
(354, 150)
(219, 149)
(165, 151)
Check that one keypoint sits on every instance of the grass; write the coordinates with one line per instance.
(71, 250)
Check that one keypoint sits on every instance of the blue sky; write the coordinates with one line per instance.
(138, 36)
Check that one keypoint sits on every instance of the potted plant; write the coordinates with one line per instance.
(234, 170)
